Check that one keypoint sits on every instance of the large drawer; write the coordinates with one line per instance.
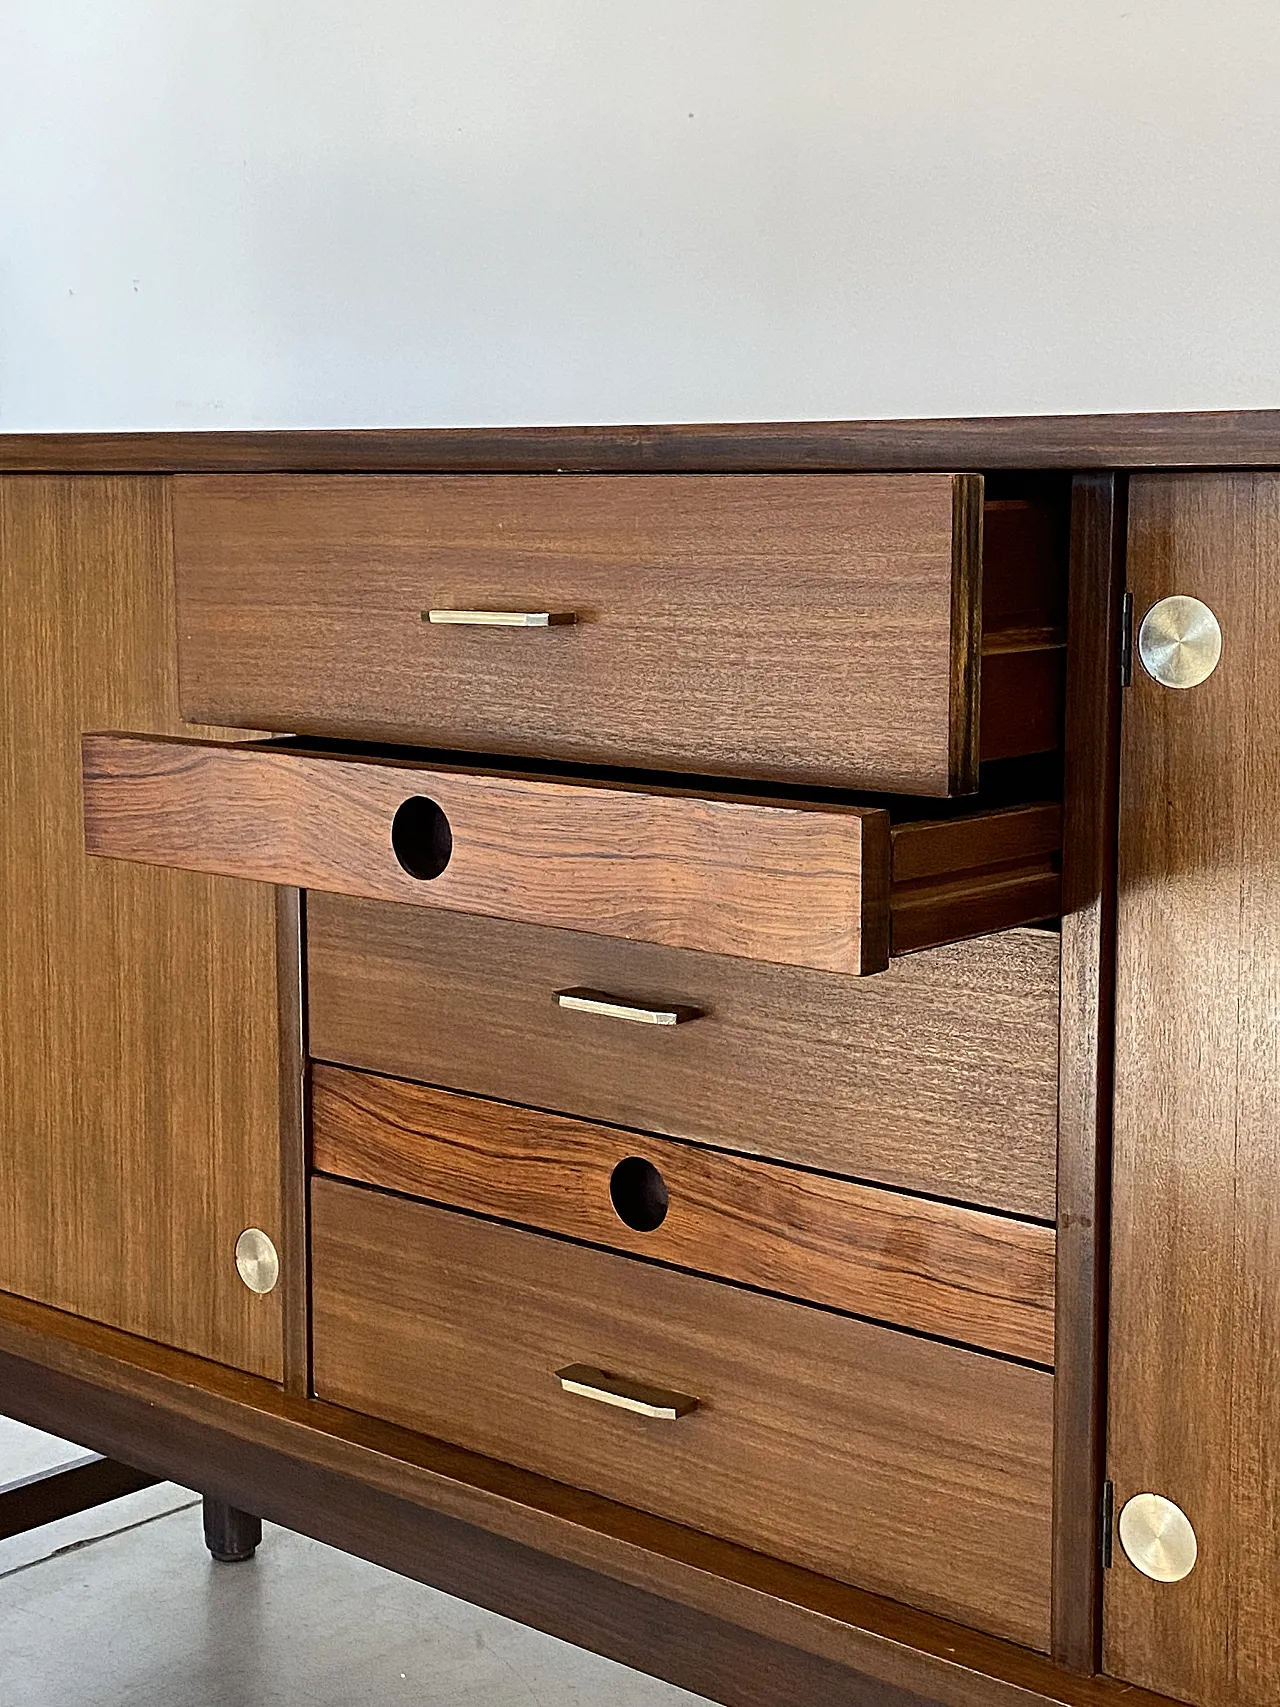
(914, 1469)
(960, 1274)
(807, 883)
(823, 628)
(939, 1076)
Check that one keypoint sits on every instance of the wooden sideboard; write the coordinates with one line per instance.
(669, 1029)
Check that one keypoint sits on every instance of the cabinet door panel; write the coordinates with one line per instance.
(1195, 1321)
(139, 1089)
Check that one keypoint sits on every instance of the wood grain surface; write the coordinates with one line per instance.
(1222, 438)
(806, 883)
(291, 981)
(139, 1121)
(983, 1280)
(1195, 1313)
(938, 1076)
(912, 1468)
(817, 629)
(1084, 1103)
(799, 885)
(729, 1623)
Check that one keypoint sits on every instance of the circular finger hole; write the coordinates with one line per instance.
(638, 1193)
(421, 838)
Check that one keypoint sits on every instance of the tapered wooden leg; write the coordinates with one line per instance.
(231, 1536)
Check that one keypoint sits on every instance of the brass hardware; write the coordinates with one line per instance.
(619, 1007)
(501, 618)
(606, 1389)
(1179, 642)
(257, 1263)
(1157, 1538)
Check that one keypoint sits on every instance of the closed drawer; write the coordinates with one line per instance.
(805, 883)
(823, 629)
(939, 1076)
(960, 1274)
(914, 1469)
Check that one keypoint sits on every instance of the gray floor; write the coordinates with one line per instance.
(123, 1608)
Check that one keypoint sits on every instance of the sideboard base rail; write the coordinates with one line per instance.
(713, 1618)
(67, 1489)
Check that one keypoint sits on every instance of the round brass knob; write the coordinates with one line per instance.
(1179, 642)
(257, 1263)
(1157, 1538)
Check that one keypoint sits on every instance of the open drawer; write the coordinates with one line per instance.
(809, 883)
(878, 631)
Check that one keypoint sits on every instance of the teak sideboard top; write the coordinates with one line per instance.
(742, 899)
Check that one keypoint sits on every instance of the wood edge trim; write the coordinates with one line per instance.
(874, 920)
(249, 1442)
(291, 986)
(1173, 439)
(1086, 1024)
(481, 766)
(966, 632)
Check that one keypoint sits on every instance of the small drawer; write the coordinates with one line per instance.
(939, 1076)
(959, 1274)
(805, 883)
(910, 1468)
(818, 628)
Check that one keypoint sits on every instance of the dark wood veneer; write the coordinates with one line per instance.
(801, 882)
(937, 1076)
(1084, 1095)
(1195, 1307)
(820, 629)
(982, 1280)
(1228, 438)
(804, 885)
(748, 1631)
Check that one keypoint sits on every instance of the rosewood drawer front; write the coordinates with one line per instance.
(823, 629)
(804, 884)
(959, 1274)
(915, 1469)
(939, 1076)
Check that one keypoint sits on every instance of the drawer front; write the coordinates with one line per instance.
(959, 1274)
(794, 884)
(939, 1076)
(805, 883)
(816, 628)
(910, 1468)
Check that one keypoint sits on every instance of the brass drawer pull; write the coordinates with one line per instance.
(618, 1007)
(501, 618)
(645, 1401)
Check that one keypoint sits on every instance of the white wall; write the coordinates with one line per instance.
(421, 212)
